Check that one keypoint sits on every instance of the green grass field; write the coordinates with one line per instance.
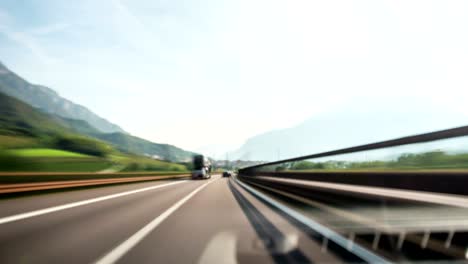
(72, 165)
(54, 160)
(50, 160)
(138, 163)
(46, 153)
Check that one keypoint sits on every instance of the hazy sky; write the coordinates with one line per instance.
(215, 72)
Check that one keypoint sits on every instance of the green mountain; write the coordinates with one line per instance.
(39, 111)
(78, 126)
(30, 139)
(20, 119)
(132, 144)
(128, 143)
(49, 101)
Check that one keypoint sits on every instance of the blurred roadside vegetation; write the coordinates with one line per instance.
(54, 153)
(433, 160)
(131, 163)
(73, 154)
(76, 155)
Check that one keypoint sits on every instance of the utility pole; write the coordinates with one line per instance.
(227, 160)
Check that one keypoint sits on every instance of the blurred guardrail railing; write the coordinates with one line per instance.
(435, 162)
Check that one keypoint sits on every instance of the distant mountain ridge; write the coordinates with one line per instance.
(128, 143)
(50, 101)
(20, 97)
(20, 119)
(132, 144)
(348, 127)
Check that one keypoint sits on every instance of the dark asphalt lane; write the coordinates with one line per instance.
(82, 234)
(219, 223)
(10, 205)
(213, 227)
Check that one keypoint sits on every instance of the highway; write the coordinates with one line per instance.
(221, 220)
(210, 227)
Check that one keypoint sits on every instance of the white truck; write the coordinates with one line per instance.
(201, 167)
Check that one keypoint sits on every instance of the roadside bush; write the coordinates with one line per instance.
(12, 163)
(83, 145)
(149, 166)
(280, 168)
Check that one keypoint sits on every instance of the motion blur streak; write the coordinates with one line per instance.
(331, 235)
(450, 200)
(126, 246)
(221, 249)
(71, 205)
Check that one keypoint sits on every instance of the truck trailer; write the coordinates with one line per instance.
(201, 167)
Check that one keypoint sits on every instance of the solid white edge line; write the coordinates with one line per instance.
(49, 210)
(118, 252)
(363, 253)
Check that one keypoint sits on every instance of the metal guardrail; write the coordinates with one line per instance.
(32, 187)
(417, 236)
(440, 181)
(340, 192)
(421, 138)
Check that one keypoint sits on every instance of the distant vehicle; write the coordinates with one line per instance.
(227, 173)
(201, 167)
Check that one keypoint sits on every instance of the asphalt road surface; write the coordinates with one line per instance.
(212, 221)
(173, 221)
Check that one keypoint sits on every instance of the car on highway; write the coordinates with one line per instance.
(227, 173)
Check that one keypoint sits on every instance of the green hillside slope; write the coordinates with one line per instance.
(30, 140)
(20, 119)
(58, 115)
(50, 101)
(131, 144)
(128, 143)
